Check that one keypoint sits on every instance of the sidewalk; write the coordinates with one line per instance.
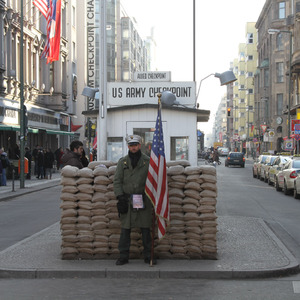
(12, 189)
(247, 248)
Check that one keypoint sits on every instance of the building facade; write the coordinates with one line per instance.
(49, 90)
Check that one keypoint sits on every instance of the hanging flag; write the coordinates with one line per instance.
(95, 141)
(42, 6)
(51, 10)
(55, 29)
(156, 183)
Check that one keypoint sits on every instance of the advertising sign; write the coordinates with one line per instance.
(91, 50)
(133, 93)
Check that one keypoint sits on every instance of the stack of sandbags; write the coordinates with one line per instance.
(85, 193)
(91, 227)
(69, 212)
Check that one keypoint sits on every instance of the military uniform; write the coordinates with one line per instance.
(129, 180)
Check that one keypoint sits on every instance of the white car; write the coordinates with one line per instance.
(297, 187)
(286, 177)
(276, 167)
(264, 168)
(223, 151)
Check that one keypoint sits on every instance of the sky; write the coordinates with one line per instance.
(220, 28)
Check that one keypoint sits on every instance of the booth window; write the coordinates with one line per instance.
(114, 148)
(179, 148)
(147, 138)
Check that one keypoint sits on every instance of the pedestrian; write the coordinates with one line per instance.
(83, 159)
(134, 207)
(1, 169)
(58, 155)
(40, 164)
(34, 156)
(5, 164)
(29, 157)
(72, 156)
(48, 163)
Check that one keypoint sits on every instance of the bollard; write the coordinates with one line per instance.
(13, 180)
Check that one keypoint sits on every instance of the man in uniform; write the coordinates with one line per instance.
(134, 207)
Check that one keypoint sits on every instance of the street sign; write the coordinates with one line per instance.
(263, 127)
(297, 137)
(297, 128)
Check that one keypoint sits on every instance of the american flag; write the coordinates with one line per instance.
(156, 183)
(42, 6)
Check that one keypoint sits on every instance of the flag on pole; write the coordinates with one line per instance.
(42, 6)
(156, 183)
(51, 10)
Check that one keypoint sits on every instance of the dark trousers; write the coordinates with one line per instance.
(124, 242)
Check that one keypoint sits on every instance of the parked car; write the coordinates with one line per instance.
(235, 159)
(297, 187)
(286, 177)
(256, 166)
(276, 167)
(264, 169)
(223, 151)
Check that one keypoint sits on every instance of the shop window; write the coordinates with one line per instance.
(179, 148)
(114, 148)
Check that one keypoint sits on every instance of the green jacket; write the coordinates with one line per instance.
(132, 181)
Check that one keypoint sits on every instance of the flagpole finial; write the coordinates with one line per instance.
(159, 96)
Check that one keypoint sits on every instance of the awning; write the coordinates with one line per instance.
(16, 128)
(60, 132)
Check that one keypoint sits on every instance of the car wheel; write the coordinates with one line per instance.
(278, 189)
(258, 176)
(254, 176)
(243, 166)
(269, 181)
(285, 190)
(296, 195)
(265, 178)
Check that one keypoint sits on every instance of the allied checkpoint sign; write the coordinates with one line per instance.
(134, 93)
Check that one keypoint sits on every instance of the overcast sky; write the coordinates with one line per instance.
(220, 27)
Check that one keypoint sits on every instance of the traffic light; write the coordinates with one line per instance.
(228, 111)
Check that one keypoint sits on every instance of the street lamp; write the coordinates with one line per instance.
(273, 31)
(225, 78)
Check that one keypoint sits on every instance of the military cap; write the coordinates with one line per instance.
(133, 139)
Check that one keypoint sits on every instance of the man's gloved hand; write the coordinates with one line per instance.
(122, 204)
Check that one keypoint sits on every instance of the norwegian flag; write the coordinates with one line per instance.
(156, 183)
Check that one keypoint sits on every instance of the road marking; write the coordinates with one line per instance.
(296, 287)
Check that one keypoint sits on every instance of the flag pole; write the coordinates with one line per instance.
(154, 216)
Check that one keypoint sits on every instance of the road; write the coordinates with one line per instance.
(24, 216)
(239, 194)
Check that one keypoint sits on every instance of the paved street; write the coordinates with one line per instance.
(240, 198)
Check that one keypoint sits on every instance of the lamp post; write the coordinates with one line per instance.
(225, 78)
(273, 31)
(22, 127)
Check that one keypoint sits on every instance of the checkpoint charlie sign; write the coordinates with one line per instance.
(134, 93)
(152, 76)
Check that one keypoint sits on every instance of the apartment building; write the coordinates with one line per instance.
(49, 89)
(277, 80)
(242, 104)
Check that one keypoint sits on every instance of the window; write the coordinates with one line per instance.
(73, 16)
(279, 71)
(114, 148)
(279, 42)
(249, 38)
(250, 57)
(179, 148)
(281, 10)
(242, 56)
(250, 74)
(250, 91)
(266, 77)
(279, 104)
(242, 100)
(147, 137)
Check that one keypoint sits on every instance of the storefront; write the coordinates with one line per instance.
(46, 128)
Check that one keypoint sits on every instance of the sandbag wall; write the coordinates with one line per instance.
(90, 225)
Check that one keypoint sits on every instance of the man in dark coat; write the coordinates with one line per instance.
(48, 163)
(72, 156)
(134, 207)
